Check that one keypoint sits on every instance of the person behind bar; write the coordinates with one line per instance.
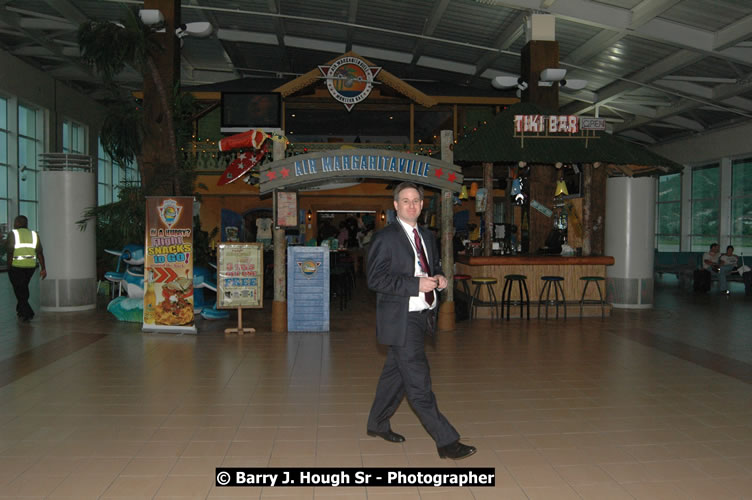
(24, 253)
(403, 269)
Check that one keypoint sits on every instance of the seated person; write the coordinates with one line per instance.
(711, 262)
(728, 263)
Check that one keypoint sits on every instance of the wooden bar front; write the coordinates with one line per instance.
(534, 267)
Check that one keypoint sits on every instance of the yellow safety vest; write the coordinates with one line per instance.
(25, 248)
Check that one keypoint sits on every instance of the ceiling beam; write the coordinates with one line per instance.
(733, 34)
(652, 28)
(721, 93)
(504, 40)
(684, 122)
(68, 11)
(642, 13)
(646, 75)
(352, 15)
(279, 29)
(639, 136)
(428, 29)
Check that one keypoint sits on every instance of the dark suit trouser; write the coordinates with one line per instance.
(20, 277)
(406, 372)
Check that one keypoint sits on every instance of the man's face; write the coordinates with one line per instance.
(715, 249)
(408, 205)
(729, 251)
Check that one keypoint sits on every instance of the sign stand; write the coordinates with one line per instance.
(240, 330)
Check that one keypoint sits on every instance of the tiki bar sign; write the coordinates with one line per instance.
(552, 124)
(546, 123)
(349, 164)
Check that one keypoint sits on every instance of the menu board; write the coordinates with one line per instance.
(240, 275)
(287, 209)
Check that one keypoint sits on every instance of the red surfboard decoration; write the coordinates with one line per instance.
(253, 138)
(240, 166)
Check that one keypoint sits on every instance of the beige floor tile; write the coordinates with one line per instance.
(583, 474)
(294, 448)
(551, 493)
(336, 447)
(185, 487)
(536, 476)
(146, 466)
(602, 491)
(206, 448)
(32, 486)
(133, 486)
(195, 466)
(81, 486)
(655, 491)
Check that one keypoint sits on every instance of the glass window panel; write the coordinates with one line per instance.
(669, 218)
(29, 209)
(741, 216)
(668, 243)
(66, 137)
(3, 183)
(705, 217)
(669, 188)
(3, 147)
(3, 113)
(705, 182)
(27, 121)
(741, 178)
(27, 186)
(743, 246)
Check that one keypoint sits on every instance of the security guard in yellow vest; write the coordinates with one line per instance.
(24, 252)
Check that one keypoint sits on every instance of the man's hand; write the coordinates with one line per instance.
(43, 273)
(428, 284)
(442, 282)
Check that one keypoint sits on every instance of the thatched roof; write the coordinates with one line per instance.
(495, 143)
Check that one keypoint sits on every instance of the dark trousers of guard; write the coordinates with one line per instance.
(406, 373)
(20, 277)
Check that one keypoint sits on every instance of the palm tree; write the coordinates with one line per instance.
(110, 47)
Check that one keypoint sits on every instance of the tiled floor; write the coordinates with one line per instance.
(648, 404)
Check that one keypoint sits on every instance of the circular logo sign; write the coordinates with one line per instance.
(309, 267)
(349, 80)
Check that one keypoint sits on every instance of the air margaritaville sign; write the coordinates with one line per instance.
(344, 165)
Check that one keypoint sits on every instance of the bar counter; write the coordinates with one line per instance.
(534, 267)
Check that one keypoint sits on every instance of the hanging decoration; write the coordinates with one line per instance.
(241, 165)
(561, 188)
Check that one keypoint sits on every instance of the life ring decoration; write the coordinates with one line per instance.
(253, 139)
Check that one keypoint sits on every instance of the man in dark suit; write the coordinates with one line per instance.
(403, 269)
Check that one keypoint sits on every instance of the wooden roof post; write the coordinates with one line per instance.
(446, 313)
(488, 184)
(279, 306)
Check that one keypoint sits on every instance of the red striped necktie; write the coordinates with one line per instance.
(423, 262)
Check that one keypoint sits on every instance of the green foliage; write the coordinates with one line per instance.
(110, 47)
(122, 132)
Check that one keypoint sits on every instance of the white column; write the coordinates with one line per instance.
(630, 237)
(724, 238)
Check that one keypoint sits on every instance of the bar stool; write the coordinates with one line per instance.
(463, 279)
(547, 284)
(596, 280)
(493, 301)
(506, 294)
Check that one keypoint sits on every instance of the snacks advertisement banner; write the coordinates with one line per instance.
(168, 266)
(240, 275)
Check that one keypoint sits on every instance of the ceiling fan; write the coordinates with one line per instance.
(547, 78)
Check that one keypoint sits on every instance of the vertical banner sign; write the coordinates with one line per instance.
(240, 275)
(168, 267)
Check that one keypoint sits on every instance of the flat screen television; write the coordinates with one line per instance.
(242, 111)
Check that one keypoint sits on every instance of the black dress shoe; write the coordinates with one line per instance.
(388, 435)
(457, 451)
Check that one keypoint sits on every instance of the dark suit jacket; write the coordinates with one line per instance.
(391, 274)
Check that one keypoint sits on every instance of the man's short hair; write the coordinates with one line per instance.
(406, 185)
(730, 247)
(21, 221)
(714, 245)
